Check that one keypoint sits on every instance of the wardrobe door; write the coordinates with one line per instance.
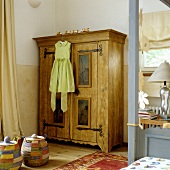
(54, 124)
(84, 108)
(44, 97)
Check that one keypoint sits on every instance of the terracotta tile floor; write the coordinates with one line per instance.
(61, 154)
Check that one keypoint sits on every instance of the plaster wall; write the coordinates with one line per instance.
(30, 22)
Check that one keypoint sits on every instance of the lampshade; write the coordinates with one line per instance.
(34, 3)
(141, 80)
(161, 74)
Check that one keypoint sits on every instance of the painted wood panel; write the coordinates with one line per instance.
(153, 142)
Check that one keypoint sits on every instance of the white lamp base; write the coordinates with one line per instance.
(164, 94)
(165, 117)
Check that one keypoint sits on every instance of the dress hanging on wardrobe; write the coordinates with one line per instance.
(62, 79)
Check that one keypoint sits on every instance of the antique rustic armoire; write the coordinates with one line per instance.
(95, 110)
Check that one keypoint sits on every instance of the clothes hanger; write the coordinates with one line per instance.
(62, 41)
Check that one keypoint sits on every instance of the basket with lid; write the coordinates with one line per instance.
(10, 155)
(35, 151)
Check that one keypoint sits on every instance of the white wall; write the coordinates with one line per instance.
(152, 6)
(98, 15)
(93, 14)
(32, 22)
(59, 15)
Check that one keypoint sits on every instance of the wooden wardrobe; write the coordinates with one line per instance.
(95, 110)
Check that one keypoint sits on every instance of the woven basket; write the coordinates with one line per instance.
(35, 151)
(10, 155)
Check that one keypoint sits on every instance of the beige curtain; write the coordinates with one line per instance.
(156, 30)
(9, 107)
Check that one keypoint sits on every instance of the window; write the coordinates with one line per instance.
(153, 58)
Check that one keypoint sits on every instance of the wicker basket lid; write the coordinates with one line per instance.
(34, 137)
(7, 141)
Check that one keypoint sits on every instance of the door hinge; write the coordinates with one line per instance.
(93, 129)
(53, 125)
(93, 50)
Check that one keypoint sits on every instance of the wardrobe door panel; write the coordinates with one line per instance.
(44, 105)
(54, 124)
(85, 98)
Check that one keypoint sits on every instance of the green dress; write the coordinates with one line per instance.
(61, 79)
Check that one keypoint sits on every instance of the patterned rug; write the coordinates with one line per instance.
(96, 161)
